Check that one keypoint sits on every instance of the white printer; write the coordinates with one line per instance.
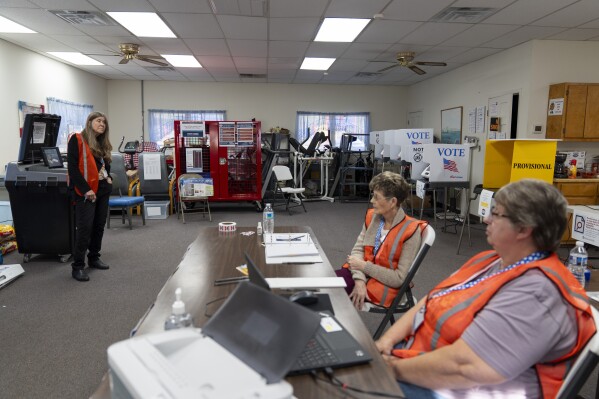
(243, 351)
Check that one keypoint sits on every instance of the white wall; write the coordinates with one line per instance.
(27, 76)
(272, 104)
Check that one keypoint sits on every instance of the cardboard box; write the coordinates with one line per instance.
(156, 209)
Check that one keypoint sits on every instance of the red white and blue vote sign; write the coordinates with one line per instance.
(405, 137)
(449, 162)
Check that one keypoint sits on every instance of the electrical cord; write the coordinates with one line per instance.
(344, 387)
(209, 315)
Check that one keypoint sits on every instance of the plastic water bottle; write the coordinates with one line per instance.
(577, 262)
(178, 318)
(268, 220)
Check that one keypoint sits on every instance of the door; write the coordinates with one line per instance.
(415, 119)
(501, 107)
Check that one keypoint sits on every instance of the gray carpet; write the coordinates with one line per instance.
(55, 330)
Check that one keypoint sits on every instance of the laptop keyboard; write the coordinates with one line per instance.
(315, 355)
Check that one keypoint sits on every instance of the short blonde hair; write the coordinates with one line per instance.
(391, 185)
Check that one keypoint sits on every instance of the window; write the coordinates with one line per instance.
(73, 117)
(162, 121)
(308, 123)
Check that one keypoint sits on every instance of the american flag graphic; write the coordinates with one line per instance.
(415, 142)
(450, 165)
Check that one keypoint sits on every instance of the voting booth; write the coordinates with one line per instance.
(511, 160)
(448, 162)
(376, 139)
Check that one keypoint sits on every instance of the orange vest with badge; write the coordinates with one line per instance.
(87, 165)
(447, 316)
(388, 256)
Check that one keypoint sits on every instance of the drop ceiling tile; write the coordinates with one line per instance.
(479, 34)
(574, 15)
(348, 65)
(85, 44)
(391, 53)
(39, 20)
(410, 10)
(593, 24)
(523, 12)
(73, 5)
(193, 26)
(475, 54)
(433, 33)
(291, 63)
(440, 53)
(208, 46)
(17, 4)
(106, 59)
(183, 6)
(240, 27)
(92, 30)
(123, 6)
(216, 62)
(333, 77)
(355, 8)
(498, 4)
(224, 73)
(35, 42)
(365, 51)
(114, 41)
(294, 29)
(132, 68)
(248, 48)
(162, 45)
(254, 80)
(327, 50)
(386, 31)
(281, 73)
(294, 8)
(287, 48)
(522, 35)
(250, 63)
(576, 34)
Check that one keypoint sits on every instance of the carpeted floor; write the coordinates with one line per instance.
(55, 330)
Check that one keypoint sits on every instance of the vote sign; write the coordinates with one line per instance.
(449, 162)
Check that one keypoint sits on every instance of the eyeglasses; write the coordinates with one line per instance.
(377, 197)
(494, 214)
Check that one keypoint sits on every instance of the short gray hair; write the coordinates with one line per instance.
(537, 204)
(391, 185)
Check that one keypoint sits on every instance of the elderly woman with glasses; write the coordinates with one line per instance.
(508, 323)
(386, 245)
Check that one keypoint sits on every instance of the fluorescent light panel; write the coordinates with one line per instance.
(8, 26)
(143, 24)
(182, 61)
(340, 29)
(317, 64)
(75, 58)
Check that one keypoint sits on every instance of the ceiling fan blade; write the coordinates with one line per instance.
(430, 63)
(387, 68)
(417, 70)
(150, 56)
(124, 61)
(144, 58)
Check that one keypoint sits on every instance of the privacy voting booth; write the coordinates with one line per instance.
(511, 160)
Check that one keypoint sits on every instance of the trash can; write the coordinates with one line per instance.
(43, 216)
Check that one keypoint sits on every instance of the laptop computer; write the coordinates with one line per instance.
(332, 345)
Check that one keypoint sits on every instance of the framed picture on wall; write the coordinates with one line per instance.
(451, 126)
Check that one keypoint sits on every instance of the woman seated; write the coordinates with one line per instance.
(507, 324)
(386, 246)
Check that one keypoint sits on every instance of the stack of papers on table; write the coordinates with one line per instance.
(290, 248)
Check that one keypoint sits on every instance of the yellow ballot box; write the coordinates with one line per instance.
(511, 160)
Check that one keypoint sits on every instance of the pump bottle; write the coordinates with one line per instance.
(179, 318)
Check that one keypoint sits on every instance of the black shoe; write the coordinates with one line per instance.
(98, 264)
(80, 275)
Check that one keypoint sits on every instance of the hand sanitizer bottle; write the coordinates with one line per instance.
(179, 318)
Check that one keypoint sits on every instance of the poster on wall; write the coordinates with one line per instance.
(556, 106)
(451, 125)
(28, 108)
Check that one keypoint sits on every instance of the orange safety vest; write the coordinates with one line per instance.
(388, 256)
(446, 317)
(87, 165)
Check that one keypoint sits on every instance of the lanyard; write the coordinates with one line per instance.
(377, 238)
(527, 259)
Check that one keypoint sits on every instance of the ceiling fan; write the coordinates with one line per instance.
(130, 51)
(406, 59)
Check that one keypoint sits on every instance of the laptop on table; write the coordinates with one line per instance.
(331, 346)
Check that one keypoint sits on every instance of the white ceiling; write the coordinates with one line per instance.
(272, 37)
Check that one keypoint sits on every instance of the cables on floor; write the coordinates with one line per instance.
(345, 387)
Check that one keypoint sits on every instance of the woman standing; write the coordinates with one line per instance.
(89, 177)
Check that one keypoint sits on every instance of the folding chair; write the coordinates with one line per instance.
(187, 197)
(428, 238)
(582, 367)
(282, 175)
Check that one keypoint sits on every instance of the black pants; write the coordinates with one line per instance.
(90, 218)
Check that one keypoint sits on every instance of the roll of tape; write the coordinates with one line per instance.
(227, 227)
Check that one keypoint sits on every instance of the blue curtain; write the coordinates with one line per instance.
(73, 117)
(162, 121)
(308, 123)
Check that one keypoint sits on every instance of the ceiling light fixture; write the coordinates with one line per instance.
(317, 64)
(182, 61)
(75, 58)
(143, 24)
(340, 29)
(8, 26)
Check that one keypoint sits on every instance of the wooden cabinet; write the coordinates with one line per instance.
(579, 119)
(577, 192)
